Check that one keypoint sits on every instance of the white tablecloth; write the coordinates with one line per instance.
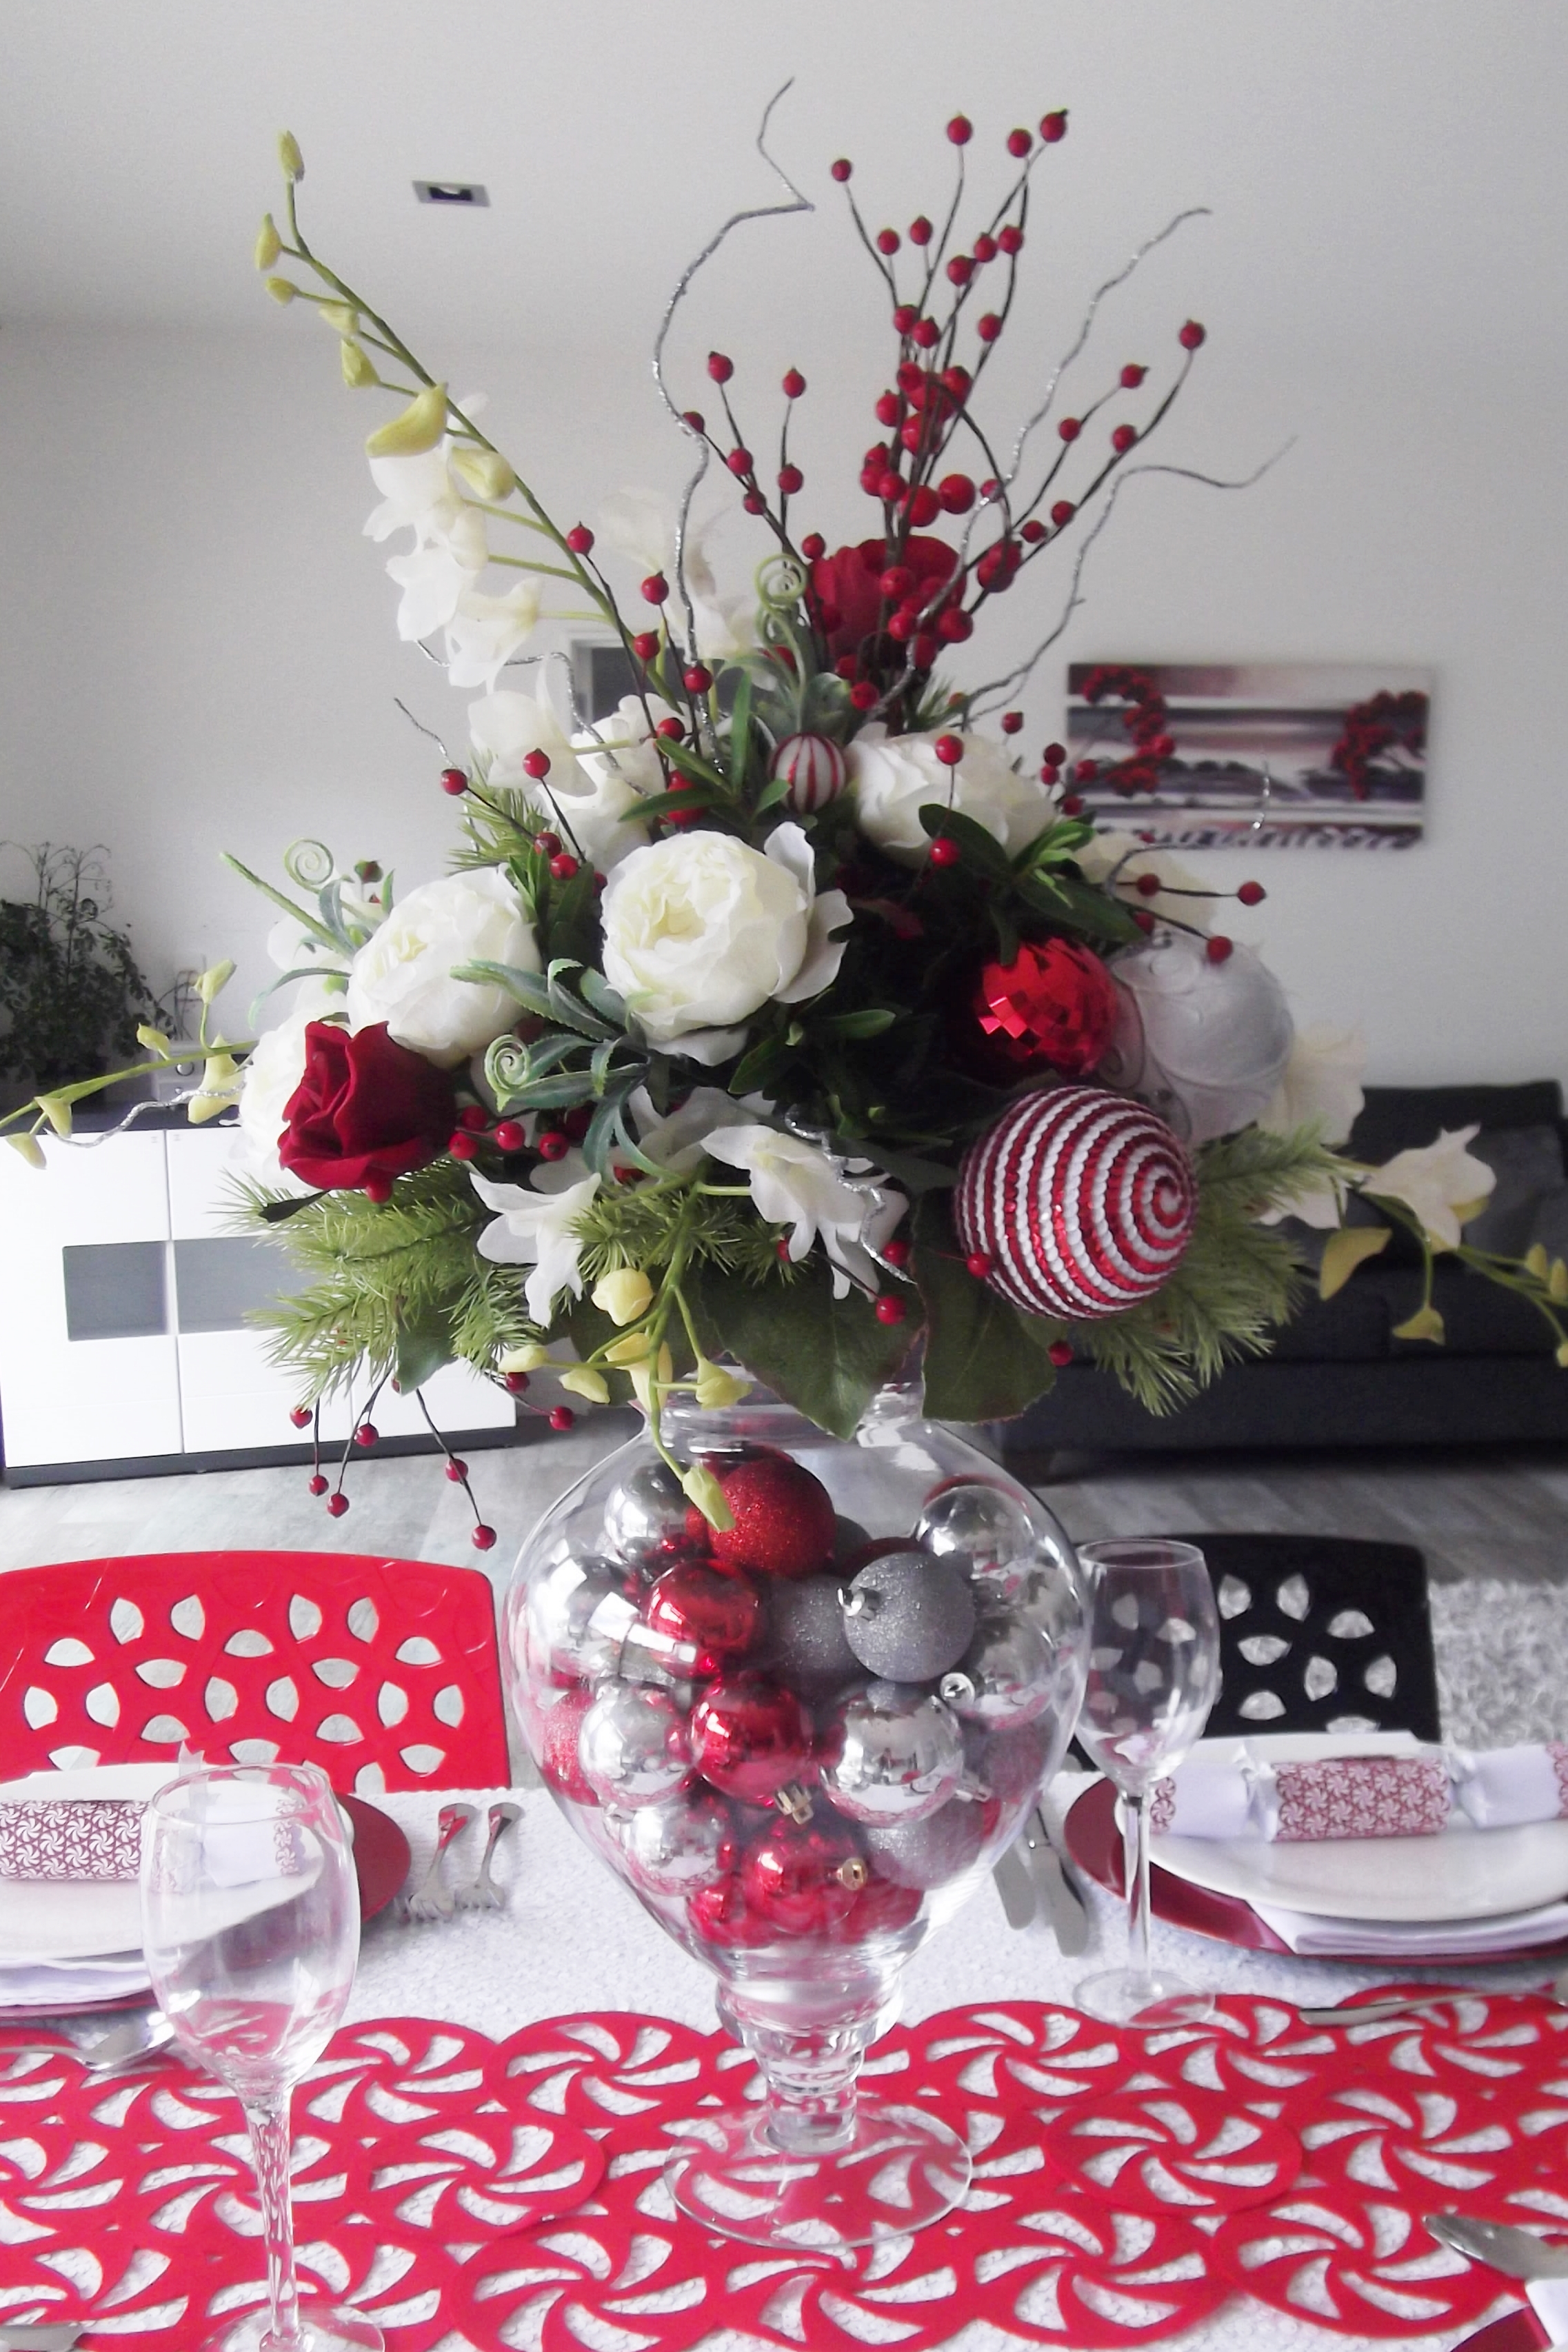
(573, 1939)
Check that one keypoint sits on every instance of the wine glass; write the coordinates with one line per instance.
(250, 1925)
(1153, 1675)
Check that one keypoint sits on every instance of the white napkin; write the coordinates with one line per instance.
(49, 1986)
(1316, 1937)
(1548, 2301)
(49, 1920)
(1239, 1793)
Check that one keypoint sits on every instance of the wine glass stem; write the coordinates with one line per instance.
(1135, 1877)
(268, 2119)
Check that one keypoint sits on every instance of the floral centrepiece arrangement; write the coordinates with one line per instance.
(786, 1017)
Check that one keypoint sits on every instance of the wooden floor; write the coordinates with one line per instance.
(1494, 1514)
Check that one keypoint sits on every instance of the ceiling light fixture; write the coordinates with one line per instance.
(451, 192)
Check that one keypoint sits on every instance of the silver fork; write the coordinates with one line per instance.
(1370, 2013)
(432, 1898)
(484, 1894)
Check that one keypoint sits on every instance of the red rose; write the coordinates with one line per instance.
(366, 1108)
(847, 586)
(1055, 1003)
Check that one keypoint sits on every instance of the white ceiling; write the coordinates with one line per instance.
(1389, 171)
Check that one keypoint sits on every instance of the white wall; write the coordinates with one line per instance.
(199, 650)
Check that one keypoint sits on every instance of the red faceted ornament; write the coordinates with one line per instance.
(709, 1610)
(749, 1738)
(783, 1518)
(1083, 1199)
(558, 1759)
(803, 1879)
(814, 770)
(1054, 1004)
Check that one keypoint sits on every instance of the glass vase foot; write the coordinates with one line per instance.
(1130, 1997)
(890, 2169)
(322, 2328)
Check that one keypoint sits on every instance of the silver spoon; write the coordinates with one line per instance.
(137, 2037)
(1518, 2254)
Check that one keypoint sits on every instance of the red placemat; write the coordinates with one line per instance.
(1094, 1841)
(1125, 2184)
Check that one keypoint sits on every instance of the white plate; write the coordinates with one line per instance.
(1463, 1873)
(46, 1920)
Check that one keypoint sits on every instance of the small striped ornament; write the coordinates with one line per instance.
(814, 770)
(1082, 1199)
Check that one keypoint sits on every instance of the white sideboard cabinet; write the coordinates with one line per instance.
(124, 1345)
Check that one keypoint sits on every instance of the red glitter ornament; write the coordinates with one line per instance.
(750, 1739)
(558, 1759)
(1053, 1004)
(802, 1881)
(712, 1610)
(783, 1518)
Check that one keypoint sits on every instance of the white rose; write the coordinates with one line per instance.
(273, 1069)
(585, 800)
(404, 975)
(896, 776)
(701, 930)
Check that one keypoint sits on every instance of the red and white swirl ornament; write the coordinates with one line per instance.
(813, 769)
(1082, 1199)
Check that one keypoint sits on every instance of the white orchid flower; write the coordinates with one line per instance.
(1442, 1183)
(535, 1226)
(679, 1141)
(433, 583)
(589, 799)
(794, 1184)
(1321, 1088)
(485, 632)
(621, 745)
(640, 524)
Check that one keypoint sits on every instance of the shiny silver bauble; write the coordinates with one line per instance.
(632, 1747)
(891, 1753)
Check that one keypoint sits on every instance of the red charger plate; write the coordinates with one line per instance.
(1516, 2331)
(1094, 1841)
(381, 1865)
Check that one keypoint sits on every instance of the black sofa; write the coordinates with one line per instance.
(1337, 1376)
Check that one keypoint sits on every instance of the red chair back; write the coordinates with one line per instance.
(384, 1672)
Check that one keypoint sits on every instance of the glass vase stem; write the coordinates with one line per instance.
(1135, 1878)
(268, 2121)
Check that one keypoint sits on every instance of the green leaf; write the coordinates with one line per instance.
(868, 1023)
(605, 1129)
(424, 1349)
(551, 1093)
(691, 763)
(741, 732)
(306, 922)
(773, 792)
(756, 1067)
(1078, 907)
(981, 849)
(981, 1362)
(598, 994)
(529, 987)
(828, 1356)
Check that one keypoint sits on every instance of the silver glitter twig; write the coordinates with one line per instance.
(796, 202)
(1004, 688)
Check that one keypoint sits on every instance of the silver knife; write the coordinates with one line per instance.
(1518, 2254)
(1016, 1887)
(1058, 1897)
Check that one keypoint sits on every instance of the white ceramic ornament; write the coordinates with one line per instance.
(814, 770)
(1082, 1199)
(632, 1747)
(1205, 1042)
(891, 1753)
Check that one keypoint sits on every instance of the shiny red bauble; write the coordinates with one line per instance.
(558, 1759)
(880, 1908)
(711, 1610)
(750, 1739)
(1054, 1005)
(802, 1880)
(784, 1518)
(720, 1916)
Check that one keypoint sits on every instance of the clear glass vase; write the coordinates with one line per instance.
(801, 1743)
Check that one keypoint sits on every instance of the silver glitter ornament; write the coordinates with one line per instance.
(981, 1528)
(632, 1747)
(929, 1852)
(891, 1753)
(1011, 1762)
(1007, 1674)
(806, 1647)
(680, 1845)
(645, 1518)
(562, 1606)
(908, 1616)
